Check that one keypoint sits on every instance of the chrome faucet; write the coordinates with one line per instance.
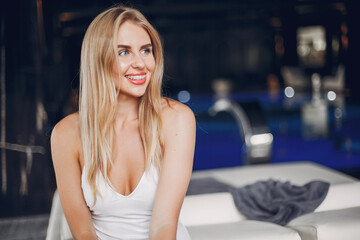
(258, 145)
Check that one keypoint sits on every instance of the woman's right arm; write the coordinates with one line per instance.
(65, 151)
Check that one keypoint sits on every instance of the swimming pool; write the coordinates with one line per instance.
(337, 145)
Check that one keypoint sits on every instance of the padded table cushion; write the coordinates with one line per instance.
(329, 225)
(298, 173)
(248, 229)
(211, 208)
(346, 195)
(218, 208)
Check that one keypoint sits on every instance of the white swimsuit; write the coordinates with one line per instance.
(116, 216)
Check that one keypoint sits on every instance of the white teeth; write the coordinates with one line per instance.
(138, 77)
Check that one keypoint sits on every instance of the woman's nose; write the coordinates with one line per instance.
(138, 62)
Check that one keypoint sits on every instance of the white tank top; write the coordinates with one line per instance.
(116, 216)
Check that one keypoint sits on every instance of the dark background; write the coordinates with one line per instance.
(245, 41)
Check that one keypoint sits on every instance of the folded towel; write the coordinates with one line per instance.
(206, 185)
(278, 202)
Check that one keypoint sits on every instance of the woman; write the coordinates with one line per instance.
(124, 161)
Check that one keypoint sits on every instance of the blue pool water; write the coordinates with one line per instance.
(219, 143)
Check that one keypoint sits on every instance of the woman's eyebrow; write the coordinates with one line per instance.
(149, 45)
(128, 47)
(123, 46)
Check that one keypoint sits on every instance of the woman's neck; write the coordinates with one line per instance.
(127, 109)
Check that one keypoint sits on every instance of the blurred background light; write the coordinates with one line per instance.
(184, 96)
(289, 92)
(265, 138)
(331, 95)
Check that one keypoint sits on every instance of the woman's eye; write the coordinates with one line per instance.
(123, 53)
(145, 51)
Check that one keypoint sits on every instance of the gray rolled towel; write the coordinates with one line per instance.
(278, 202)
(206, 185)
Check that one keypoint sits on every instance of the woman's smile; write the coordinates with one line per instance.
(136, 78)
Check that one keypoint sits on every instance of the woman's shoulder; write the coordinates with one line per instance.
(67, 130)
(175, 113)
(172, 108)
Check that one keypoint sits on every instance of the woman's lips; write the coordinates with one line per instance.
(136, 78)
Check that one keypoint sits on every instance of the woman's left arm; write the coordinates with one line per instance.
(179, 142)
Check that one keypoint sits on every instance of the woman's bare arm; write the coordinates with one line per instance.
(65, 150)
(179, 138)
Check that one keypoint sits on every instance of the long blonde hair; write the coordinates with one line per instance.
(98, 94)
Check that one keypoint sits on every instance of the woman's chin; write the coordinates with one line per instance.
(134, 94)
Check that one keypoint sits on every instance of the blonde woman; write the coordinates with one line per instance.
(124, 161)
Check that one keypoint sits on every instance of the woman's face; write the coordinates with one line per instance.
(137, 62)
